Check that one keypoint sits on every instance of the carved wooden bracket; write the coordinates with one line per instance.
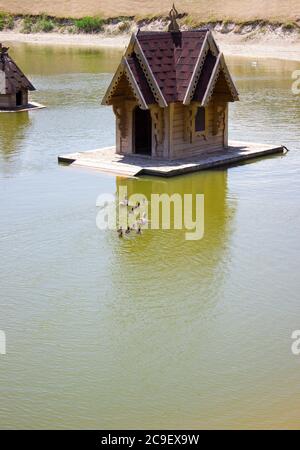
(121, 118)
(219, 118)
(189, 122)
(157, 116)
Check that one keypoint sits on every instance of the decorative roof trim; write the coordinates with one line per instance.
(213, 45)
(135, 86)
(158, 95)
(219, 65)
(130, 46)
(113, 84)
(212, 82)
(229, 79)
(197, 72)
(135, 46)
(124, 68)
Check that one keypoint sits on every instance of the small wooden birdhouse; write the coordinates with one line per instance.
(14, 85)
(170, 94)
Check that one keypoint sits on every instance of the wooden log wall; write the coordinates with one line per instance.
(186, 142)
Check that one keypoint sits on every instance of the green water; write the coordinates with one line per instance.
(156, 331)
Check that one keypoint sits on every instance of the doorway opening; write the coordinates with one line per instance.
(142, 131)
(19, 98)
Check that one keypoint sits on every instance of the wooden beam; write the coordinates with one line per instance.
(112, 86)
(135, 86)
(211, 83)
(171, 131)
(220, 65)
(197, 72)
(212, 44)
(124, 68)
(130, 46)
(229, 79)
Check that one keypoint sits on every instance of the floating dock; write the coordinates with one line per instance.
(106, 160)
(30, 107)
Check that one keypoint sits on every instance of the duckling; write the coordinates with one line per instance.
(139, 230)
(127, 230)
(120, 232)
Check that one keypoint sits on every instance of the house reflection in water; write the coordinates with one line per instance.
(13, 129)
(162, 262)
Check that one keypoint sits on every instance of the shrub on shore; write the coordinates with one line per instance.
(288, 26)
(43, 24)
(89, 24)
(27, 25)
(37, 24)
(6, 21)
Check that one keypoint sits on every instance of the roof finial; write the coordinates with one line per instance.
(3, 50)
(173, 15)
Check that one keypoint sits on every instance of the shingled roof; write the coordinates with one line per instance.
(15, 80)
(167, 67)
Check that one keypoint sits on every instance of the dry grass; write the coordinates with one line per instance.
(237, 10)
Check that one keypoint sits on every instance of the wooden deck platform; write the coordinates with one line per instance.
(30, 107)
(106, 160)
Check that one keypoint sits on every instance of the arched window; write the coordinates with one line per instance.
(200, 119)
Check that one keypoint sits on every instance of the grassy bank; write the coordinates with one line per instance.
(241, 10)
(43, 23)
(46, 24)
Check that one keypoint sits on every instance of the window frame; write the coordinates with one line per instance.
(203, 131)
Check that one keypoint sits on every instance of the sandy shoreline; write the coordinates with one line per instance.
(232, 45)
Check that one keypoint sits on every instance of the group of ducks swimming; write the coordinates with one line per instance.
(137, 227)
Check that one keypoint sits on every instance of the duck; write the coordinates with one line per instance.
(124, 202)
(143, 220)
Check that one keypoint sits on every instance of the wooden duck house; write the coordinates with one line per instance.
(170, 94)
(14, 85)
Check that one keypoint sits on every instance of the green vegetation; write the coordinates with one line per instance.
(227, 22)
(6, 21)
(191, 21)
(38, 24)
(27, 25)
(145, 18)
(289, 26)
(46, 24)
(43, 24)
(10, 22)
(89, 24)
